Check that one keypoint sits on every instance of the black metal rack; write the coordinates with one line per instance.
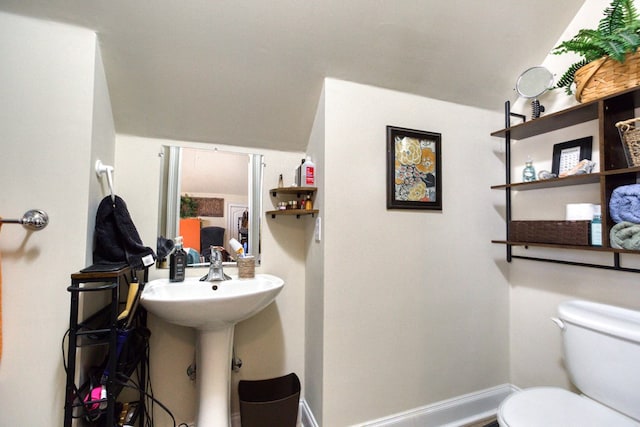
(614, 170)
(99, 329)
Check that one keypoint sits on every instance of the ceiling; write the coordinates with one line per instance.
(250, 72)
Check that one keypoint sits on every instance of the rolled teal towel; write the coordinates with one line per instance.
(625, 235)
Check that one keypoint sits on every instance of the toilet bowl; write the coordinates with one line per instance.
(557, 407)
(601, 346)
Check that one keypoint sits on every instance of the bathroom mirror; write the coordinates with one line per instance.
(209, 196)
(531, 84)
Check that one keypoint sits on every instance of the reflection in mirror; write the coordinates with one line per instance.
(531, 84)
(209, 197)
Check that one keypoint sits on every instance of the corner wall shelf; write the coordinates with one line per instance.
(296, 212)
(298, 192)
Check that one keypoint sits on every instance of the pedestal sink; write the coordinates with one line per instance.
(213, 308)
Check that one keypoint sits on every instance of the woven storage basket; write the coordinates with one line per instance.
(558, 232)
(630, 136)
(606, 76)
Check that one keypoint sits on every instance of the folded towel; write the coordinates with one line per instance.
(625, 235)
(624, 204)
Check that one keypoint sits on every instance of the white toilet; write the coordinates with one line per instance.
(602, 355)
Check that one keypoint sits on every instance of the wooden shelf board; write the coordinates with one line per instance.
(293, 190)
(551, 183)
(566, 181)
(571, 116)
(290, 212)
(559, 246)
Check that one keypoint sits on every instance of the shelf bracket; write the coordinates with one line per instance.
(615, 267)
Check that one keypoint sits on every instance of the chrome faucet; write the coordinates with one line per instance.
(215, 267)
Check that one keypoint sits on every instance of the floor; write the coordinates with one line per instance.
(488, 422)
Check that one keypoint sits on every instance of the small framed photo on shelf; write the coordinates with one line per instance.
(567, 155)
(414, 169)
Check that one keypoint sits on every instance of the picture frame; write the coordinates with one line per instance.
(414, 169)
(566, 155)
(209, 206)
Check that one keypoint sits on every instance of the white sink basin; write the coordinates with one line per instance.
(213, 308)
(196, 304)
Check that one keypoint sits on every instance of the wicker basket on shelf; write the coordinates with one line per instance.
(630, 136)
(606, 76)
(556, 232)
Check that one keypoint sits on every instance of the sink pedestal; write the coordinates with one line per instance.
(213, 364)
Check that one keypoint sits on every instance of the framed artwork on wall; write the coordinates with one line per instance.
(209, 206)
(414, 169)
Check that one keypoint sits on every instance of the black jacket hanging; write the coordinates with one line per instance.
(116, 240)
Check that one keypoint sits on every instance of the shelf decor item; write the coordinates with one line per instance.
(567, 155)
(414, 177)
(610, 60)
(630, 136)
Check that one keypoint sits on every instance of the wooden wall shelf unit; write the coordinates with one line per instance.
(298, 192)
(614, 170)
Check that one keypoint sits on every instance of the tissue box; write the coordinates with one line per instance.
(580, 211)
(557, 232)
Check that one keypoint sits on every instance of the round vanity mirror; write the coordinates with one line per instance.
(534, 82)
(531, 84)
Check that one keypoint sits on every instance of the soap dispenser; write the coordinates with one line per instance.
(596, 226)
(177, 262)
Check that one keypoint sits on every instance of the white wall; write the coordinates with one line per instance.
(272, 342)
(392, 310)
(314, 302)
(538, 288)
(53, 93)
(415, 303)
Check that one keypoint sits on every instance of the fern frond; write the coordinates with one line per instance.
(567, 78)
(630, 13)
(586, 43)
(630, 40)
(613, 18)
(613, 48)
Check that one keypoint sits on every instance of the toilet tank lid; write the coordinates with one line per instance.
(617, 321)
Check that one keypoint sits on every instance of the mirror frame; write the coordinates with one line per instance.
(169, 200)
(548, 84)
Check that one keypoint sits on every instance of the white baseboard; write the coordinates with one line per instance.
(306, 416)
(455, 412)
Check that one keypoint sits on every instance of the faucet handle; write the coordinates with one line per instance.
(216, 252)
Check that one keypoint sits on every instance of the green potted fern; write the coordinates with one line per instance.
(609, 54)
(188, 207)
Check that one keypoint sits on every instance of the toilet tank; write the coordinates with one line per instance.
(602, 353)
